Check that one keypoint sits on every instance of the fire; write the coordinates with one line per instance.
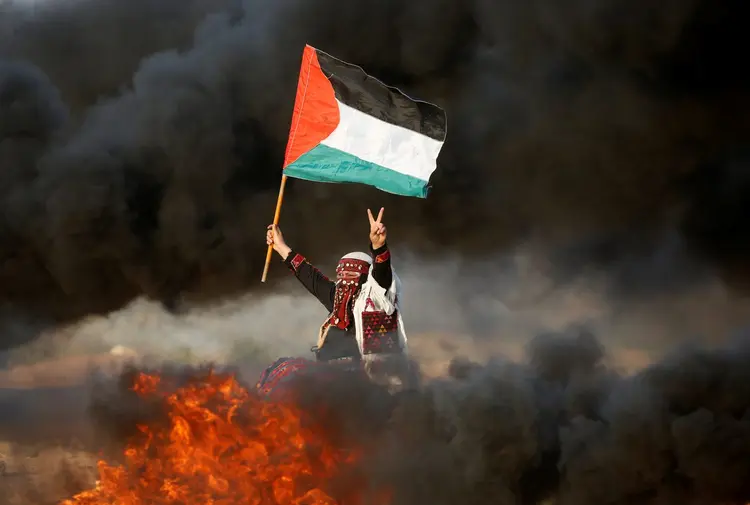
(223, 445)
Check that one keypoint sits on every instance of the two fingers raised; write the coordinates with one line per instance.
(374, 221)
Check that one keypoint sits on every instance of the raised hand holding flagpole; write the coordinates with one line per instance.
(348, 127)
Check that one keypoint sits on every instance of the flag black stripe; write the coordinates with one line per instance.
(363, 92)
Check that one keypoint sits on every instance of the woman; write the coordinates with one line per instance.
(364, 318)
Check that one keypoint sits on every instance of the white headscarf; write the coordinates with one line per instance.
(356, 255)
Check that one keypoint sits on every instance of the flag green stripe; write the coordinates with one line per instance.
(326, 164)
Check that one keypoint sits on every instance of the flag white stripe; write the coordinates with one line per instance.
(390, 146)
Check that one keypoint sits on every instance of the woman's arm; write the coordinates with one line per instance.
(381, 266)
(313, 279)
(381, 256)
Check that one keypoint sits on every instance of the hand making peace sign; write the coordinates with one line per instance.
(377, 229)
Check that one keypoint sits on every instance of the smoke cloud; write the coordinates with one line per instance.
(596, 170)
(150, 167)
(559, 424)
(483, 430)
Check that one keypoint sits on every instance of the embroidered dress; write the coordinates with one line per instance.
(281, 371)
(379, 330)
(276, 380)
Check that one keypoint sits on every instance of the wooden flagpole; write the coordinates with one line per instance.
(276, 215)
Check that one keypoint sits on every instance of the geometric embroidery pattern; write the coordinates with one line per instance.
(297, 261)
(282, 370)
(380, 332)
(383, 257)
(275, 378)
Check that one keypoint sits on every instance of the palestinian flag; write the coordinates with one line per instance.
(348, 127)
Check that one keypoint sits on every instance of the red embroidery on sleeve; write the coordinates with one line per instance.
(297, 261)
(383, 257)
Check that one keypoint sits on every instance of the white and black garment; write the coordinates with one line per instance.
(364, 305)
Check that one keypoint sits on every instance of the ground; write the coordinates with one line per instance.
(43, 475)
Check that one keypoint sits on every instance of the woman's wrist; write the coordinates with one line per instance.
(380, 248)
(283, 250)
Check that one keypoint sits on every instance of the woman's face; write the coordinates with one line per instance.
(347, 275)
(351, 270)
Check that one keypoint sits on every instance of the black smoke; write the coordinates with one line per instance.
(561, 424)
(126, 173)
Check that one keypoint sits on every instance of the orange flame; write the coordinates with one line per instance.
(222, 446)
